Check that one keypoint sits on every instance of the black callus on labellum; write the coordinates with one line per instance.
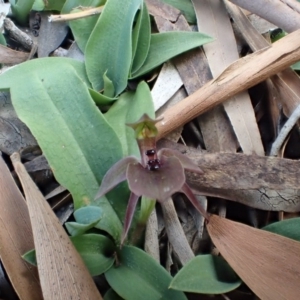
(158, 175)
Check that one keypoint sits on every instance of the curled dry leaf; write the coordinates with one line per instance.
(62, 272)
(16, 238)
(268, 263)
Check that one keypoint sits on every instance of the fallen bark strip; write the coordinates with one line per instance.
(240, 171)
(241, 75)
(266, 183)
(9, 56)
(266, 199)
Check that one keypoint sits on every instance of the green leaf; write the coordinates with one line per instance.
(70, 4)
(100, 99)
(141, 39)
(166, 45)
(89, 216)
(296, 66)
(289, 228)
(21, 10)
(77, 141)
(97, 252)
(111, 295)
(82, 28)
(139, 276)
(147, 206)
(109, 46)
(15, 76)
(186, 7)
(108, 222)
(40, 5)
(206, 274)
(109, 89)
(30, 257)
(128, 109)
(2, 40)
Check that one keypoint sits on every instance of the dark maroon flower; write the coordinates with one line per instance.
(158, 175)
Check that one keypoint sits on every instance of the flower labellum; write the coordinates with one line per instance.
(158, 175)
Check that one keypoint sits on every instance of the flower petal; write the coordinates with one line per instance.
(129, 215)
(115, 175)
(188, 192)
(187, 163)
(158, 184)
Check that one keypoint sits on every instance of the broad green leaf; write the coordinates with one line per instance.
(112, 295)
(88, 214)
(16, 75)
(141, 39)
(77, 141)
(109, 46)
(108, 222)
(128, 109)
(21, 9)
(206, 274)
(186, 7)
(139, 276)
(166, 45)
(289, 228)
(82, 28)
(100, 99)
(97, 252)
(70, 4)
(55, 5)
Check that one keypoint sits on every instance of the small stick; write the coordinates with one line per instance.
(75, 16)
(151, 236)
(241, 75)
(175, 232)
(290, 123)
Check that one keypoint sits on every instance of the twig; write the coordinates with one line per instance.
(75, 16)
(17, 34)
(241, 75)
(175, 232)
(290, 123)
(151, 238)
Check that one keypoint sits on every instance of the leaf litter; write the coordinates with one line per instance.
(237, 135)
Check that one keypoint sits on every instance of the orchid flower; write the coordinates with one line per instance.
(158, 175)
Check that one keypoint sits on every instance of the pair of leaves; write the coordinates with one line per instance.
(62, 116)
(212, 275)
(139, 276)
(120, 52)
(90, 217)
(76, 139)
(135, 275)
